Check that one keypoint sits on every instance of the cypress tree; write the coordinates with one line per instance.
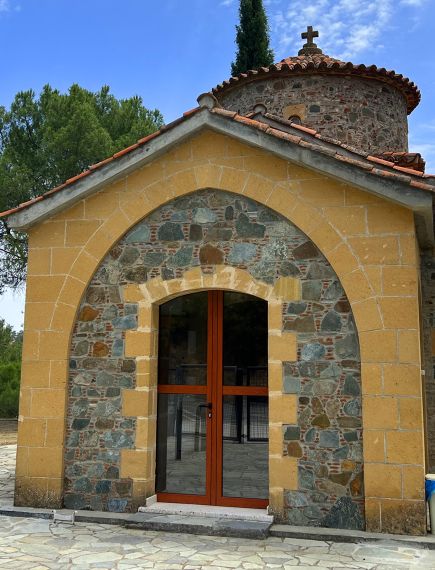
(252, 38)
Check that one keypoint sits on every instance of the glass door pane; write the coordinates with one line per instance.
(181, 444)
(244, 340)
(245, 424)
(183, 341)
(245, 447)
(182, 413)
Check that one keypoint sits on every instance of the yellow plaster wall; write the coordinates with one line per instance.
(370, 244)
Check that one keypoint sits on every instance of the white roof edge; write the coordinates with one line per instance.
(398, 192)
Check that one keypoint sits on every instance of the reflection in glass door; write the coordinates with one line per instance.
(212, 436)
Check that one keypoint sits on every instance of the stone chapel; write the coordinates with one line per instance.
(238, 310)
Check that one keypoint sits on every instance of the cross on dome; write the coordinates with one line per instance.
(310, 47)
(309, 35)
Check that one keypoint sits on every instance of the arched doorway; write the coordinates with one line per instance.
(212, 423)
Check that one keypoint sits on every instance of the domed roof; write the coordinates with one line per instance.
(311, 60)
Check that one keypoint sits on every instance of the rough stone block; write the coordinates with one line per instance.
(43, 288)
(79, 231)
(403, 517)
(380, 412)
(283, 473)
(39, 261)
(35, 374)
(402, 379)
(399, 280)
(413, 482)
(405, 447)
(411, 413)
(399, 312)
(374, 250)
(45, 462)
(382, 480)
(145, 433)
(378, 346)
(367, 315)
(48, 403)
(287, 288)
(136, 464)
(138, 343)
(283, 347)
(31, 432)
(374, 446)
(62, 259)
(48, 234)
(389, 219)
(138, 402)
(349, 221)
(283, 409)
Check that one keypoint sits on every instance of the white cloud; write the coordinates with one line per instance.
(346, 27)
(415, 3)
(427, 151)
(7, 6)
(227, 2)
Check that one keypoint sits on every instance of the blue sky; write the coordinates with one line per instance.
(170, 51)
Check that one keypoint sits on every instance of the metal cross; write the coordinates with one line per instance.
(309, 35)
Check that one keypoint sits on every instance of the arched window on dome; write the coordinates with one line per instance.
(295, 119)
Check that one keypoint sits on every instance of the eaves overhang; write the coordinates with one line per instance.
(328, 160)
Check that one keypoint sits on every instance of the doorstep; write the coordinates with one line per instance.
(233, 513)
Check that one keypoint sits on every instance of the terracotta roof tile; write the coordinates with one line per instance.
(305, 129)
(283, 135)
(315, 146)
(252, 122)
(421, 185)
(411, 160)
(322, 63)
(393, 175)
(226, 113)
(408, 170)
(368, 163)
(353, 162)
(379, 160)
(191, 112)
(125, 150)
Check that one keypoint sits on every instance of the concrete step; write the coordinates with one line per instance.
(181, 523)
(207, 511)
(354, 536)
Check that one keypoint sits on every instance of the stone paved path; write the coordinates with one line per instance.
(7, 474)
(29, 544)
(36, 544)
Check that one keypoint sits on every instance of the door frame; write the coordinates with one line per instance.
(215, 391)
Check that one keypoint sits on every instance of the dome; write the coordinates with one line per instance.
(364, 106)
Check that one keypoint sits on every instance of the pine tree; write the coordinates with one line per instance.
(252, 38)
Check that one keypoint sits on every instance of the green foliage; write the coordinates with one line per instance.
(252, 38)
(10, 370)
(47, 139)
(9, 389)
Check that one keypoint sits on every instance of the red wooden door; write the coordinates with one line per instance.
(212, 410)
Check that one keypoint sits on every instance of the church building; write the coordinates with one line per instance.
(238, 309)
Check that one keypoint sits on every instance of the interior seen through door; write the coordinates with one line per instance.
(212, 429)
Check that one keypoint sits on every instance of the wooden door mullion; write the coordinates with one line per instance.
(218, 380)
(210, 459)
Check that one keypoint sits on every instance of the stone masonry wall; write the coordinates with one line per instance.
(368, 115)
(207, 228)
(428, 314)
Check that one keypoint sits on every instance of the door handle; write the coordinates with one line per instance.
(209, 406)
